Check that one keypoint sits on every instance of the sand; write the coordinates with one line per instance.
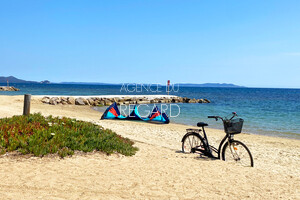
(158, 171)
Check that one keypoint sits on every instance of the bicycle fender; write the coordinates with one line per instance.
(190, 133)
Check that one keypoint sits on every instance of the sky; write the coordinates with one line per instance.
(248, 43)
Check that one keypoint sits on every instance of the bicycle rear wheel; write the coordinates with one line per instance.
(237, 152)
(190, 141)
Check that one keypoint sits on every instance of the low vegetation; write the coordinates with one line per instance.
(39, 135)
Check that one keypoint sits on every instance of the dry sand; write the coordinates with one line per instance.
(158, 171)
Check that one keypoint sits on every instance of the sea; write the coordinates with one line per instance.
(266, 111)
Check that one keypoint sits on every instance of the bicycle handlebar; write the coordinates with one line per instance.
(233, 115)
(218, 117)
(215, 117)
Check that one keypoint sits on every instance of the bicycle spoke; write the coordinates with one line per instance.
(234, 153)
(237, 153)
(190, 142)
(193, 141)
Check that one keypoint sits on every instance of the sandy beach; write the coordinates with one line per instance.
(158, 171)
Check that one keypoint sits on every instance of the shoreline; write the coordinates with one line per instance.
(150, 97)
(282, 135)
(36, 99)
(243, 132)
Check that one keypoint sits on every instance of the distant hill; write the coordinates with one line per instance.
(180, 84)
(224, 85)
(45, 82)
(210, 85)
(90, 83)
(12, 79)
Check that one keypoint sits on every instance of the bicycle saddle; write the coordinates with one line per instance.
(201, 124)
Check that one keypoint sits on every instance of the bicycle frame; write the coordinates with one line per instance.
(207, 150)
(222, 143)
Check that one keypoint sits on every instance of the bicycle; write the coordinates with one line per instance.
(229, 149)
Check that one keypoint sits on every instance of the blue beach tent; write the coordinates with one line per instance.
(112, 112)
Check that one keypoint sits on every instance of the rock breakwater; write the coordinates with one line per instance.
(103, 101)
(8, 88)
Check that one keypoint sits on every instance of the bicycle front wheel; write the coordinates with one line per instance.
(237, 152)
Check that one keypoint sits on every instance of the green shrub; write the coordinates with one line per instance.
(39, 135)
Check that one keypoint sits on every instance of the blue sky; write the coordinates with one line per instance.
(249, 43)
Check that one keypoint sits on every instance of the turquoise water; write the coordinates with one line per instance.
(274, 112)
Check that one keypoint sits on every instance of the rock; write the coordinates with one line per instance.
(127, 99)
(180, 99)
(15, 89)
(94, 101)
(79, 101)
(116, 99)
(207, 101)
(101, 102)
(192, 101)
(86, 102)
(107, 102)
(143, 102)
(8, 88)
(46, 100)
(71, 100)
(91, 101)
(54, 101)
(63, 99)
(200, 101)
(175, 101)
(161, 101)
(185, 100)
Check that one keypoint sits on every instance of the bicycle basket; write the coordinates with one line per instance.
(233, 126)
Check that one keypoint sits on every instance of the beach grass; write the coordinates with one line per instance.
(39, 135)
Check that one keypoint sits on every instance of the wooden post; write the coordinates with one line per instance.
(27, 98)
